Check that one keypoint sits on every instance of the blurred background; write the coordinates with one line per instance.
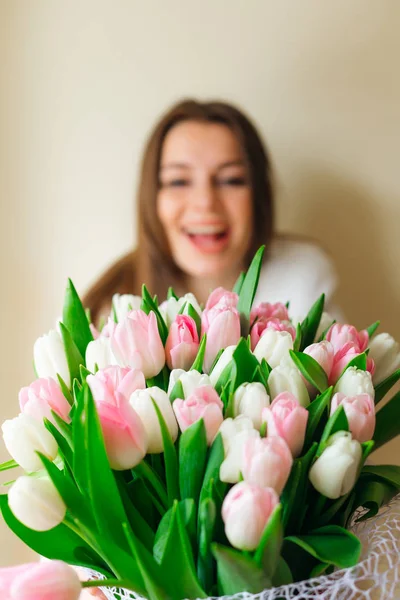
(81, 84)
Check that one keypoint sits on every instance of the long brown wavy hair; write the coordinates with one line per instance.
(152, 262)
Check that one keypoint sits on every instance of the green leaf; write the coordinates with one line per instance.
(269, 549)
(75, 319)
(372, 495)
(317, 415)
(192, 312)
(64, 446)
(239, 283)
(9, 464)
(171, 294)
(177, 391)
(154, 485)
(311, 323)
(295, 491)
(311, 370)
(297, 341)
(246, 364)
(205, 562)
(170, 458)
(216, 359)
(138, 524)
(265, 369)
(198, 362)
(372, 328)
(192, 460)
(228, 376)
(178, 559)
(387, 422)
(388, 473)
(215, 459)
(249, 288)
(188, 511)
(337, 422)
(149, 305)
(238, 573)
(65, 390)
(359, 362)
(386, 385)
(331, 544)
(322, 337)
(283, 574)
(74, 357)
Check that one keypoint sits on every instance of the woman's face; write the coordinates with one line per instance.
(205, 200)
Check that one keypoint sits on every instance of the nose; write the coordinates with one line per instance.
(205, 195)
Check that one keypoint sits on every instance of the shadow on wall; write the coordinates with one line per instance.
(347, 220)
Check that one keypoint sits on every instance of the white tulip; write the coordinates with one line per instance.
(36, 503)
(235, 433)
(98, 352)
(325, 322)
(385, 352)
(223, 360)
(249, 400)
(273, 346)
(23, 437)
(287, 378)
(123, 303)
(172, 307)
(49, 357)
(140, 400)
(190, 381)
(335, 472)
(354, 382)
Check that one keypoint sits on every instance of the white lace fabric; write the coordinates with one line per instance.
(375, 577)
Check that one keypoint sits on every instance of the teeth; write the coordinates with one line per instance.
(205, 230)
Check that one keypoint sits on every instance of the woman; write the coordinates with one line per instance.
(205, 205)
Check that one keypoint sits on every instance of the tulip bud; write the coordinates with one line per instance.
(265, 310)
(360, 413)
(98, 352)
(235, 433)
(287, 378)
(335, 472)
(258, 328)
(246, 511)
(172, 307)
(23, 437)
(323, 353)
(222, 326)
(354, 382)
(50, 580)
(141, 402)
(106, 383)
(182, 343)
(273, 346)
(339, 335)
(204, 404)
(249, 400)
(267, 462)
(341, 360)
(49, 357)
(190, 380)
(287, 419)
(42, 397)
(385, 352)
(222, 362)
(222, 297)
(136, 343)
(36, 503)
(123, 304)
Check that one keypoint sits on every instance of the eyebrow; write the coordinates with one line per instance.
(182, 165)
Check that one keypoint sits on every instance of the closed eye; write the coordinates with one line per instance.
(234, 181)
(175, 183)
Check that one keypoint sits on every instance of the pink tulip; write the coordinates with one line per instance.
(43, 396)
(204, 404)
(136, 343)
(341, 360)
(265, 310)
(360, 413)
(246, 511)
(182, 343)
(323, 353)
(339, 335)
(49, 580)
(222, 326)
(276, 324)
(106, 382)
(286, 419)
(267, 462)
(222, 297)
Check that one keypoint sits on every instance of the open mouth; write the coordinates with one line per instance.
(208, 238)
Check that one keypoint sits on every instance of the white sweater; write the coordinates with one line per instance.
(298, 272)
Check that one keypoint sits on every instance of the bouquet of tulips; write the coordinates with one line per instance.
(184, 452)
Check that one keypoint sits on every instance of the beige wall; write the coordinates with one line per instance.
(81, 83)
